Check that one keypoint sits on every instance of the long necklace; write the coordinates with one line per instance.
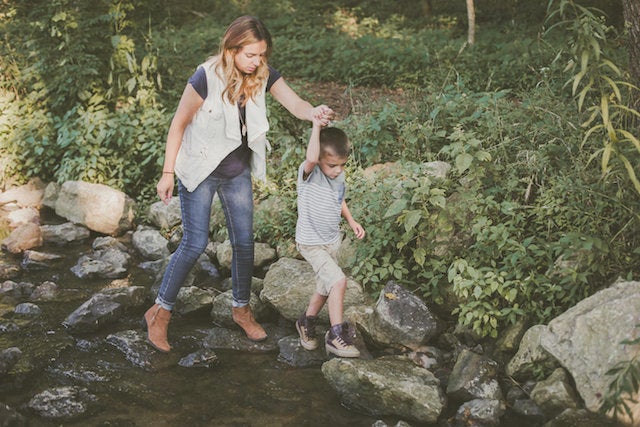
(243, 129)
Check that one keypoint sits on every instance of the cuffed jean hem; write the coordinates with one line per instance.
(165, 305)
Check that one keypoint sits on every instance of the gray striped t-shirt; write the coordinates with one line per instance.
(319, 207)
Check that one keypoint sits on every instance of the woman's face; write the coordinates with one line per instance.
(249, 57)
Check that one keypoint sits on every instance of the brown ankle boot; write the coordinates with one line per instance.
(157, 322)
(244, 318)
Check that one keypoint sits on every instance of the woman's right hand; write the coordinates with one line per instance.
(165, 187)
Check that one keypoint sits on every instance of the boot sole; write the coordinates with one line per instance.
(145, 328)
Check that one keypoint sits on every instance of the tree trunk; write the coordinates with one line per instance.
(631, 9)
(471, 15)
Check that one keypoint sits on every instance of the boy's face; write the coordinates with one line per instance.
(330, 164)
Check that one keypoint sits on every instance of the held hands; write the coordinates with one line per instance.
(165, 187)
(321, 115)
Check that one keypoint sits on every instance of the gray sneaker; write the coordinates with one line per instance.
(306, 326)
(338, 341)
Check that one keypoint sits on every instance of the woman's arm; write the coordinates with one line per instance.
(189, 104)
(297, 106)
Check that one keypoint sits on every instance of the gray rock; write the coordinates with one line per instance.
(133, 345)
(292, 353)
(150, 243)
(28, 309)
(531, 356)
(580, 418)
(223, 338)
(480, 412)
(203, 358)
(62, 402)
(165, 216)
(401, 319)
(386, 387)
(555, 394)
(289, 284)
(34, 260)
(587, 338)
(263, 254)
(192, 299)
(474, 377)
(108, 263)
(64, 233)
(8, 359)
(105, 307)
(46, 291)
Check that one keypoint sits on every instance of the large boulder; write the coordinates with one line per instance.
(289, 284)
(386, 386)
(587, 339)
(96, 206)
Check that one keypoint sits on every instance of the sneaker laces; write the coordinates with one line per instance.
(309, 324)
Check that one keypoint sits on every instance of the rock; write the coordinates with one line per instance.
(289, 284)
(15, 293)
(555, 394)
(28, 195)
(23, 216)
(64, 233)
(580, 418)
(587, 338)
(480, 412)
(203, 358)
(474, 377)
(110, 263)
(46, 291)
(192, 299)
(165, 216)
(9, 267)
(62, 402)
(236, 339)
(8, 359)
(150, 243)
(96, 206)
(531, 356)
(28, 309)
(263, 253)
(293, 354)
(25, 236)
(34, 260)
(386, 386)
(134, 347)
(105, 307)
(401, 319)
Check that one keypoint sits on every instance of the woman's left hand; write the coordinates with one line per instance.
(322, 113)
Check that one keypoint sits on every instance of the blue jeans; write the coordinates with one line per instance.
(236, 197)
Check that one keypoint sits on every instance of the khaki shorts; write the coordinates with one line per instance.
(323, 260)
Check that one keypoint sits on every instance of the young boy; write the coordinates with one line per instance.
(321, 190)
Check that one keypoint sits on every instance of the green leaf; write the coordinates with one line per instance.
(463, 161)
(396, 207)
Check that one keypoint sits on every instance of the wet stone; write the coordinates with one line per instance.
(133, 345)
(62, 402)
(292, 353)
(203, 358)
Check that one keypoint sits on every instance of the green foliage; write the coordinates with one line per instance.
(600, 84)
(624, 386)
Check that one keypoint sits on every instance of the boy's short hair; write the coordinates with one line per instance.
(336, 140)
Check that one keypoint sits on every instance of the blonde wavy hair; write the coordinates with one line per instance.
(241, 87)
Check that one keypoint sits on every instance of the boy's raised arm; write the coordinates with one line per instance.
(313, 148)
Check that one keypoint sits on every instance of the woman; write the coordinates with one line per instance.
(215, 141)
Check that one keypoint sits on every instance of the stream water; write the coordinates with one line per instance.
(242, 389)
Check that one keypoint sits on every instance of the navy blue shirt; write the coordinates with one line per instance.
(240, 158)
